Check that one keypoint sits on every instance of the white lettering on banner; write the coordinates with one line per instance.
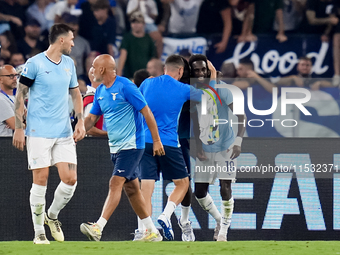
(272, 59)
(196, 45)
(289, 96)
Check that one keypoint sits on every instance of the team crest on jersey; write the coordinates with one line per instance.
(114, 96)
(67, 70)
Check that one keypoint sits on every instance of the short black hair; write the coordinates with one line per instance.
(139, 76)
(174, 61)
(305, 58)
(198, 57)
(247, 62)
(58, 29)
(186, 72)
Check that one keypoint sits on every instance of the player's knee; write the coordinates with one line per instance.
(129, 190)
(70, 181)
(200, 193)
(183, 183)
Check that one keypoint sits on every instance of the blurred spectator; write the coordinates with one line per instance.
(182, 15)
(266, 11)
(228, 72)
(304, 77)
(61, 7)
(81, 48)
(97, 130)
(293, 13)
(38, 11)
(103, 32)
(84, 79)
(87, 19)
(228, 17)
(150, 12)
(2, 62)
(31, 40)
(8, 45)
(139, 76)
(17, 59)
(155, 67)
(8, 82)
(185, 53)
(14, 14)
(323, 20)
(137, 47)
(246, 77)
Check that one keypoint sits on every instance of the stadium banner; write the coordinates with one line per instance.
(195, 45)
(274, 58)
(286, 189)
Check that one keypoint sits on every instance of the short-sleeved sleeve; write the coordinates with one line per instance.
(6, 110)
(29, 73)
(96, 110)
(225, 95)
(194, 94)
(134, 96)
(74, 80)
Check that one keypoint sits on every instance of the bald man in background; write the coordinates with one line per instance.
(8, 82)
(123, 106)
(155, 67)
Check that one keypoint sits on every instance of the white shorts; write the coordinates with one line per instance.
(217, 166)
(45, 152)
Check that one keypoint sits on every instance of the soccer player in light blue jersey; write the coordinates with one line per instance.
(165, 96)
(49, 77)
(221, 152)
(123, 107)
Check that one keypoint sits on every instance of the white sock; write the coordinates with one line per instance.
(62, 196)
(185, 214)
(141, 226)
(147, 222)
(37, 202)
(207, 203)
(169, 209)
(227, 209)
(101, 223)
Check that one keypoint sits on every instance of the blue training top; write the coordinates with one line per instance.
(120, 105)
(165, 97)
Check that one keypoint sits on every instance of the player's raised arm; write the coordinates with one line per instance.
(19, 134)
(152, 125)
(79, 131)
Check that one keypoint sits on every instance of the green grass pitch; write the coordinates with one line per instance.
(176, 248)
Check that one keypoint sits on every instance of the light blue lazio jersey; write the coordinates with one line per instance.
(165, 97)
(226, 132)
(120, 105)
(49, 84)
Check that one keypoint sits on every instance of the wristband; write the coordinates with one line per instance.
(238, 141)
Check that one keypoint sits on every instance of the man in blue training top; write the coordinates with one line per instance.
(165, 96)
(221, 152)
(49, 77)
(123, 106)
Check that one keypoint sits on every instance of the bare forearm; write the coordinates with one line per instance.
(316, 21)
(265, 84)
(151, 122)
(279, 19)
(122, 60)
(90, 121)
(241, 127)
(19, 106)
(247, 26)
(96, 132)
(77, 104)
